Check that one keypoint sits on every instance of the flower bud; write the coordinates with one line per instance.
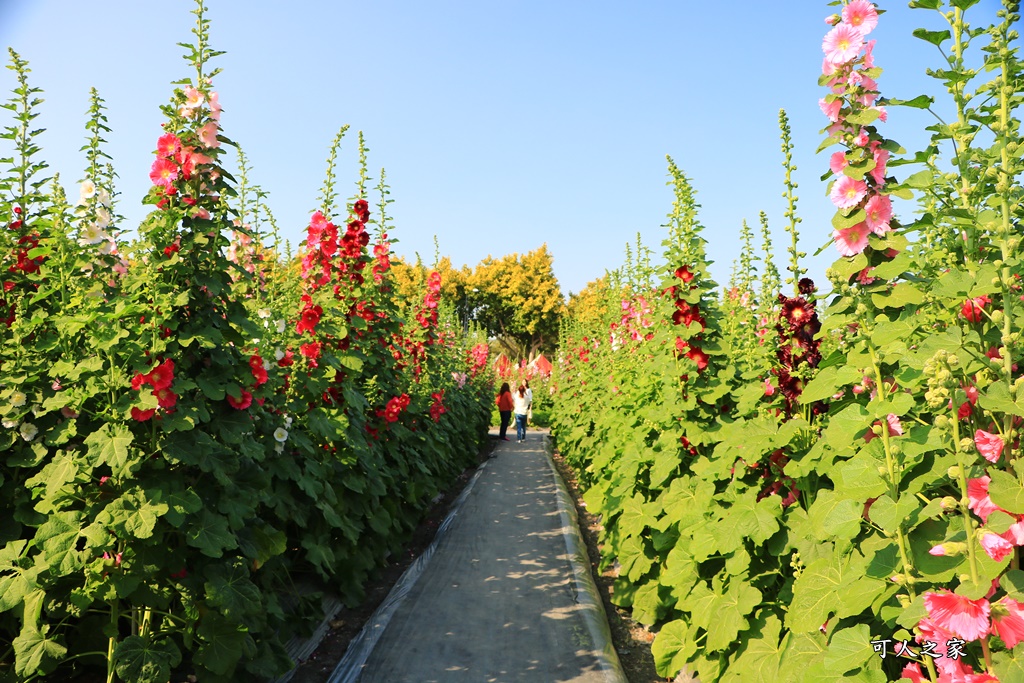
(954, 361)
(941, 421)
(949, 502)
(967, 444)
(997, 316)
(953, 472)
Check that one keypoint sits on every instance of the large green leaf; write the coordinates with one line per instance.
(1005, 491)
(850, 649)
(729, 615)
(108, 445)
(141, 660)
(814, 596)
(210, 533)
(223, 643)
(673, 647)
(833, 517)
(760, 660)
(34, 653)
(802, 650)
(229, 589)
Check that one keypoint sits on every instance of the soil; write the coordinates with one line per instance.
(349, 621)
(631, 640)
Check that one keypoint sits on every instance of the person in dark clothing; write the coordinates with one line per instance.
(504, 402)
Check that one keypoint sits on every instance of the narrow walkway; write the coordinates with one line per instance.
(507, 594)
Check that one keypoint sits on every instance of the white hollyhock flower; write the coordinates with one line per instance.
(103, 197)
(86, 191)
(102, 218)
(278, 354)
(9, 424)
(280, 327)
(92, 234)
(263, 313)
(18, 399)
(28, 431)
(280, 435)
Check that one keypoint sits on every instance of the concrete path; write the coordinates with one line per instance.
(505, 596)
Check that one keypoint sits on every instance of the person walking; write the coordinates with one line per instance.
(521, 406)
(529, 400)
(505, 406)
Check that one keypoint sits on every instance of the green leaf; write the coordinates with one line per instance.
(108, 445)
(833, 517)
(58, 537)
(35, 653)
(997, 399)
(889, 514)
(850, 649)
(141, 660)
(223, 644)
(919, 102)
(925, 4)
(729, 612)
(903, 294)
(672, 648)
(760, 660)
(1006, 492)
(964, 4)
(858, 479)
(814, 596)
(920, 180)
(13, 589)
(230, 590)
(934, 37)
(210, 533)
(802, 650)
(1012, 582)
(1008, 667)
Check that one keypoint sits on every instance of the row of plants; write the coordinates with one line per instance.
(806, 487)
(202, 432)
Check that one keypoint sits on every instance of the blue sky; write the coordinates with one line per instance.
(502, 126)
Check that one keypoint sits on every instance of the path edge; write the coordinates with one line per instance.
(351, 665)
(594, 616)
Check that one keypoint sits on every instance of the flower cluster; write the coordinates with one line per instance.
(176, 161)
(477, 358)
(321, 246)
(427, 316)
(160, 378)
(798, 351)
(776, 481)
(858, 190)
(687, 314)
(437, 409)
(636, 317)
(394, 408)
(353, 242)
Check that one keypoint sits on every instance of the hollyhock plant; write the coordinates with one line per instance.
(241, 403)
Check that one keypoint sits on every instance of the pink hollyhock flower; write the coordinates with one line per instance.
(215, 106)
(881, 159)
(830, 109)
(913, 673)
(847, 193)
(862, 138)
(930, 631)
(938, 550)
(957, 614)
(828, 68)
(1008, 621)
(837, 162)
(851, 241)
(979, 500)
(193, 97)
(894, 427)
(883, 114)
(163, 173)
(208, 135)
(996, 546)
(1015, 534)
(869, 57)
(861, 15)
(842, 44)
(769, 390)
(989, 445)
(879, 211)
(168, 145)
(977, 678)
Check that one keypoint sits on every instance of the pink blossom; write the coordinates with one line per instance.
(861, 15)
(1008, 621)
(879, 211)
(989, 445)
(894, 427)
(842, 44)
(1015, 534)
(851, 241)
(869, 57)
(883, 114)
(938, 550)
(831, 109)
(769, 390)
(913, 673)
(996, 546)
(862, 138)
(957, 614)
(847, 193)
(828, 68)
(215, 106)
(881, 159)
(208, 135)
(979, 500)
(163, 173)
(193, 97)
(837, 162)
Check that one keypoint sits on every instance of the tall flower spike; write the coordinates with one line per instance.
(328, 195)
(792, 220)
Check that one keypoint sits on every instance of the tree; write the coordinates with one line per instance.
(518, 301)
(589, 306)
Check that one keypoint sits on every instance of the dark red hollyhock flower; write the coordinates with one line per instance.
(806, 286)
(240, 403)
(796, 311)
(162, 375)
(142, 415)
(684, 274)
(287, 359)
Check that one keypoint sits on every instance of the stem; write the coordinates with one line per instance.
(965, 511)
(112, 640)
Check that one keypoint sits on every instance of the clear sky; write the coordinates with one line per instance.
(502, 126)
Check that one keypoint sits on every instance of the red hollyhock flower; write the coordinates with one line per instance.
(162, 376)
(309, 318)
(142, 415)
(972, 309)
(168, 145)
(166, 397)
(163, 173)
(287, 359)
(140, 380)
(684, 274)
(242, 403)
(311, 351)
(698, 357)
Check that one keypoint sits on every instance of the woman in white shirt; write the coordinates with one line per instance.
(520, 406)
